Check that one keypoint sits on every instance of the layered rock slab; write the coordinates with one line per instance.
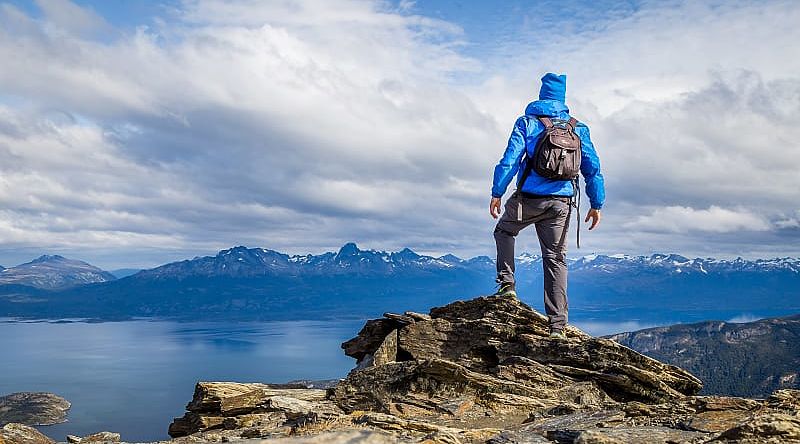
(494, 354)
(261, 410)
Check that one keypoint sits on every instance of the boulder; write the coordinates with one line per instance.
(764, 428)
(100, 438)
(340, 437)
(786, 399)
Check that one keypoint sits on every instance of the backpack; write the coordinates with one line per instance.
(557, 156)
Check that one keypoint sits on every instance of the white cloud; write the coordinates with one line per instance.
(300, 125)
(680, 118)
(677, 219)
(72, 18)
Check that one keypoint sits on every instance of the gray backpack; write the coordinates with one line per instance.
(557, 155)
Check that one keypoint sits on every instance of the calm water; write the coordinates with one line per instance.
(134, 377)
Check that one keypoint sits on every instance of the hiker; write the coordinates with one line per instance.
(546, 187)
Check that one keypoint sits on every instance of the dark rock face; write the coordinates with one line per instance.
(485, 371)
(370, 338)
(33, 408)
(747, 359)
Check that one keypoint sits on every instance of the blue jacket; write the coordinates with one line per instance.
(523, 138)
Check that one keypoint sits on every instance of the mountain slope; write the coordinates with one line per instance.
(749, 359)
(124, 272)
(54, 272)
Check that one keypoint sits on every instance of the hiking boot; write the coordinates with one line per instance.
(557, 334)
(506, 290)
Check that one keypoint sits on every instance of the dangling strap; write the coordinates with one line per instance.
(573, 122)
(575, 192)
(565, 230)
(576, 185)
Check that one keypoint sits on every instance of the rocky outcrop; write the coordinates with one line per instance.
(33, 408)
(501, 347)
(15, 433)
(485, 371)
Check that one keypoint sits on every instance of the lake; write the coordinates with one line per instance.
(133, 377)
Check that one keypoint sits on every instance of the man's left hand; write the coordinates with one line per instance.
(494, 207)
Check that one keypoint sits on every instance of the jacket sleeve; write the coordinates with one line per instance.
(590, 169)
(508, 166)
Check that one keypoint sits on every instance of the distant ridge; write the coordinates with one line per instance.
(251, 262)
(244, 261)
(741, 359)
(54, 272)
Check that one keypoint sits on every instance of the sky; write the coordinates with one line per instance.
(136, 133)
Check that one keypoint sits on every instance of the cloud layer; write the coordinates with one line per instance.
(301, 125)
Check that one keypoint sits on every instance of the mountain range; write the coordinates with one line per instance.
(263, 284)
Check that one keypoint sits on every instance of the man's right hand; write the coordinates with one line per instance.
(594, 215)
(494, 207)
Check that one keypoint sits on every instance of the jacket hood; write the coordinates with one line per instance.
(550, 108)
(552, 96)
(554, 87)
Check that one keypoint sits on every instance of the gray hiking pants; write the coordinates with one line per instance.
(550, 216)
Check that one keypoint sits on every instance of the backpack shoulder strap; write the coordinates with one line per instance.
(573, 123)
(545, 121)
(529, 162)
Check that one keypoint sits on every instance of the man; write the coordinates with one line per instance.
(541, 201)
